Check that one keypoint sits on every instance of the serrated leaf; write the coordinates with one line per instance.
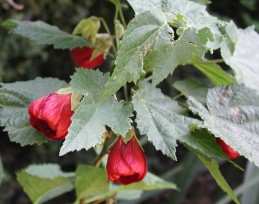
(42, 186)
(1, 171)
(232, 116)
(45, 34)
(165, 58)
(90, 180)
(141, 34)
(89, 82)
(14, 101)
(89, 120)
(215, 74)
(160, 118)
(150, 182)
(194, 88)
(194, 14)
(241, 52)
(213, 168)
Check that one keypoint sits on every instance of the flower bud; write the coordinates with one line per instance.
(83, 57)
(51, 115)
(126, 162)
(232, 154)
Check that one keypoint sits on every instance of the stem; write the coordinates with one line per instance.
(209, 61)
(122, 16)
(183, 105)
(99, 158)
(125, 92)
(177, 96)
(117, 42)
(109, 32)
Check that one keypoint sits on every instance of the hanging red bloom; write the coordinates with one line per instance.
(82, 56)
(232, 154)
(51, 115)
(126, 162)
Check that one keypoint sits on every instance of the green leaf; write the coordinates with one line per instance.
(44, 182)
(233, 116)
(213, 168)
(204, 143)
(240, 52)
(90, 180)
(160, 118)
(194, 88)
(47, 171)
(142, 33)
(150, 182)
(1, 171)
(89, 82)
(89, 120)
(129, 195)
(166, 57)
(14, 101)
(215, 74)
(194, 14)
(45, 34)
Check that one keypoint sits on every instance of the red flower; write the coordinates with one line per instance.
(232, 154)
(126, 162)
(51, 115)
(82, 57)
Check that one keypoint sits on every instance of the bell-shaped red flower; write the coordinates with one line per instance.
(82, 56)
(232, 154)
(126, 162)
(51, 115)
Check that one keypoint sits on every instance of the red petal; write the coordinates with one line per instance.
(232, 154)
(51, 115)
(126, 162)
(82, 57)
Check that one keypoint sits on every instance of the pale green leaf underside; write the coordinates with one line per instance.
(233, 116)
(150, 182)
(160, 118)
(40, 188)
(14, 101)
(45, 34)
(49, 171)
(194, 88)
(90, 180)
(141, 34)
(213, 168)
(243, 56)
(89, 120)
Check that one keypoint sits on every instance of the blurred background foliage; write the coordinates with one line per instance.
(22, 60)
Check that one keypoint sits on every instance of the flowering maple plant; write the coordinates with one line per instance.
(118, 110)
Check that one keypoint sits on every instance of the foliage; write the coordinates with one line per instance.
(163, 35)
